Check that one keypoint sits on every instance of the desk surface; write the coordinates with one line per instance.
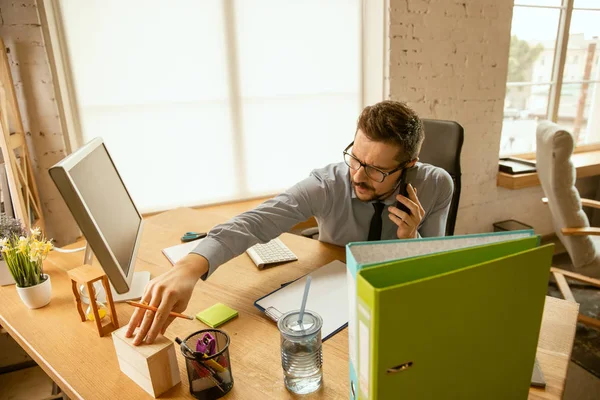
(585, 163)
(85, 365)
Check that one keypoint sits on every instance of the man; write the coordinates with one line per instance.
(347, 199)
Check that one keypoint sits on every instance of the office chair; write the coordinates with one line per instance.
(442, 147)
(557, 176)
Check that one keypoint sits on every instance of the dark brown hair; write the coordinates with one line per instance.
(396, 123)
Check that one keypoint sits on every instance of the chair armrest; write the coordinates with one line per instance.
(584, 202)
(580, 231)
(590, 203)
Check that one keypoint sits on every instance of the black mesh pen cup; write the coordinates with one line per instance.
(207, 361)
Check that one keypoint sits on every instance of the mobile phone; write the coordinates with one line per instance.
(408, 176)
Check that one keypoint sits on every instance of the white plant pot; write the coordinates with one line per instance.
(36, 296)
(5, 276)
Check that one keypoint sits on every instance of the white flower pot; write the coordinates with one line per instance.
(36, 296)
(5, 276)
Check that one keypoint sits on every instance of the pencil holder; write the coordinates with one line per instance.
(207, 361)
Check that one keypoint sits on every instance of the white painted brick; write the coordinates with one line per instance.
(448, 60)
(19, 13)
(28, 61)
(419, 6)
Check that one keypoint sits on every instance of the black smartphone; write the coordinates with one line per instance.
(407, 177)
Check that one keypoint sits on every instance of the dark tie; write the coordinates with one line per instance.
(375, 228)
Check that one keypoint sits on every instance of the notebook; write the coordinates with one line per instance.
(177, 252)
(328, 297)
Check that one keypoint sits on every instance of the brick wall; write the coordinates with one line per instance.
(448, 60)
(20, 29)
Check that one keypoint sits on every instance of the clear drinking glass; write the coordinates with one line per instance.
(301, 351)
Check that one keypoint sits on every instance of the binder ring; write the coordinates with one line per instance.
(400, 368)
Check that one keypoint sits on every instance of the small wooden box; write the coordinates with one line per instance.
(153, 367)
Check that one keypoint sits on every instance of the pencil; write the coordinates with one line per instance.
(147, 307)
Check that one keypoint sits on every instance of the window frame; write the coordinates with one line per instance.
(373, 66)
(558, 67)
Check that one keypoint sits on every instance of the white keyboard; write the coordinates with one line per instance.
(270, 253)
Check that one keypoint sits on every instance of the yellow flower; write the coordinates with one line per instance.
(22, 245)
(35, 232)
(34, 256)
(48, 247)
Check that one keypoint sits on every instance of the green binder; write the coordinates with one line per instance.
(457, 325)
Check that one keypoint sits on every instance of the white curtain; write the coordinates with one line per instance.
(206, 101)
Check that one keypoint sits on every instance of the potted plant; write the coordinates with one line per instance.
(9, 227)
(24, 256)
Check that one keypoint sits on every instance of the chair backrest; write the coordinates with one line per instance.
(441, 147)
(557, 175)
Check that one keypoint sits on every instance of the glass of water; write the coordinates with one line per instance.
(301, 351)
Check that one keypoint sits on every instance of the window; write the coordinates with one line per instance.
(569, 91)
(208, 101)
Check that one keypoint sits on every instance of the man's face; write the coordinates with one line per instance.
(379, 155)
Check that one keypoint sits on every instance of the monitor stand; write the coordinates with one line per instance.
(136, 289)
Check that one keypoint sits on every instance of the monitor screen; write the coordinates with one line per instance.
(109, 203)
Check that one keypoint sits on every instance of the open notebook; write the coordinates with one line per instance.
(177, 252)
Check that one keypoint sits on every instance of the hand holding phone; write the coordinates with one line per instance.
(407, 219)
(408, 175)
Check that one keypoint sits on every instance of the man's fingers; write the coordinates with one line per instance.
(398, 221)
(161, 316)
(144, 327)
(148, 318)
(412, 194)
(138, 314)
(412, 206)
(134, 321)
(401, 216)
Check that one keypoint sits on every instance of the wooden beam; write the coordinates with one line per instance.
(584, 319)
(577, 277)
(588, 230)
(25, 193)
(563, 286)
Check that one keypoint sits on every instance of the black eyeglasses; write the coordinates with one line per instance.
(373, 173)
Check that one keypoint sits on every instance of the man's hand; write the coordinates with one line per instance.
(407, 224)
(168, 292)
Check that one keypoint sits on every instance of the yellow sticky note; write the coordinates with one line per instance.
(217, 315)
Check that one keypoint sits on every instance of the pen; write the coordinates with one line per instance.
(147, 307)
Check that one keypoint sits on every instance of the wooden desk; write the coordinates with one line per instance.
(85, 365)
(585, 163)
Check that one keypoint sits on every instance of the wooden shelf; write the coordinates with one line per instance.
(586, 164)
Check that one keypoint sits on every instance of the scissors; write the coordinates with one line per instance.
(189, 236)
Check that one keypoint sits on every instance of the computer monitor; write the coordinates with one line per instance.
(93, 190)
